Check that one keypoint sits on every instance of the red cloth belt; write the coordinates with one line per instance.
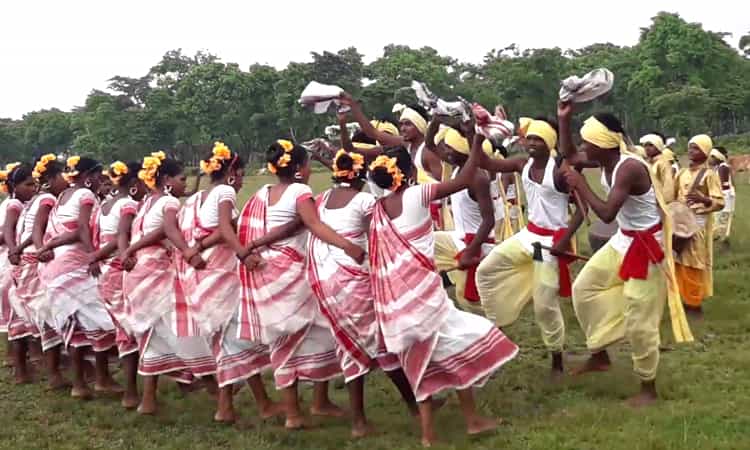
(562, 261)
(643, 249)
(435, 213)
(470, 290)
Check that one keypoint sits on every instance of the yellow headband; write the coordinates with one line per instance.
(460, 144)
(389, 164)
(703, 141)
(523, 125)
(718, 155)
(385, 127)
(357, 165)
(653, 139)
(544, 131)
(362, 145)
(414, 117)
(595, 132)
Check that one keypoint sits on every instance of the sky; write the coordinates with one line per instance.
(54, 53)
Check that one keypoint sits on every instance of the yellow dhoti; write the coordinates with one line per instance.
(508, 278)
(610, 309)
(446, 250)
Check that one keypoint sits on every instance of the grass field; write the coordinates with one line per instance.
(705, 389)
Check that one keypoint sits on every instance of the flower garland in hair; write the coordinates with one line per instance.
(4, 174)
(41, 166)
(116, 170)
(71, 171)
(389, 164)
(150, 166)
(219, 153)
(284, 159)
(358, 163)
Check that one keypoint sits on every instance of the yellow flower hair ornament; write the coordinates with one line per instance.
(150, 166)
(357, 165)
(284, 159)
(219, 153)
(116, 170)
(391, 167)
(41, 166)
(71, 165)
(4, 174)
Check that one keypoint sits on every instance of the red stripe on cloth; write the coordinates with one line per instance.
(470, 290)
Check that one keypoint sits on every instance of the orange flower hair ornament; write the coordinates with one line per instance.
(116, 170)
(391, 167)
(357, 166)
(219, 153)
(149, 168)
(71, 171)
(41, 166)
(284, 159)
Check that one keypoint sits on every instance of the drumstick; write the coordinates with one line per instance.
(568, 254)
(579, 202)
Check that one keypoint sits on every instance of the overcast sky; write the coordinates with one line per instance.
(55, 52)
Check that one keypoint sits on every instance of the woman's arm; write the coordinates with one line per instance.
(277, 234)
(383, 138)
(468, 171)
(124, 230)
(308, 213)
(84, 227)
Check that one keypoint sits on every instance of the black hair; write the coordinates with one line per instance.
(419, 110)
(611, 122)
(86, 166)
(345, 162)
(664, 139)
(380, 175)
(551, 122)
(133, 168)
(235, 161)
(499, 148)
(298, 156)
(169, 168)
(722, 150)
(17, 175)
(361, 138)
(52, 169)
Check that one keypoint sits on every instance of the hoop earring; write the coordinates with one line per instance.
(45, 186)
(410, 182)
(297, 176)
(168, 189)
(132, 191)
(87, 184)
(231, 180)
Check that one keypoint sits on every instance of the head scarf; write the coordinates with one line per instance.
(653, 139)
(523, 125)
(385, 127)
(544, 131)
(718, 155)
(460, 144)
(595, 132)
(704, 142)
(415, 118)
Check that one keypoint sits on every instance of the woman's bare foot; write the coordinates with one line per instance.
(227, 417)
(57, 382)
(147, 407)
(428, 442)
(272, 409)
(480, 424)
(360, 430)
(108, 386)
(327, 409)
(129, 401)
(22, 377)
(81, 392)
(295, 423)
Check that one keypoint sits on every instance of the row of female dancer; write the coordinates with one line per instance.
(308, 288)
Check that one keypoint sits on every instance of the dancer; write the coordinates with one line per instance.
(621, 291)
(508, 278)
(77, 311)
(156, 304)
(661, 164)
(278, 307)
(343, 288)
(18, 183)
(112, 231)
(723, 218)
(438, 346)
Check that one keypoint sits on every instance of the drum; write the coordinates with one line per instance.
(600, 232)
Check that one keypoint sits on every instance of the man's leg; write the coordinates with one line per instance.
(504, 281)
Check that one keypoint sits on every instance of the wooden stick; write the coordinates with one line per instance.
(568, 254)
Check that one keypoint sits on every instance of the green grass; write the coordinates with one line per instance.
(705, 391)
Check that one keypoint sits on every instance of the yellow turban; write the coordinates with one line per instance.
(544, 131)
(416, 119)
(362, 145)
(385, 127)
(653, 139)
(523, 125)
(595, 132)
(718, 155)
(703, 141)
(640, 151)
(440, 135)
(460, 144)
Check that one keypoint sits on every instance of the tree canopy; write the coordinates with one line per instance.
(679, 79)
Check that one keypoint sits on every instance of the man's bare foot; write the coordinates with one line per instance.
(327, 410)
(81, 392)
(598, 362)
(428, 442)
(147, 408)
(58, 382)
(360, 430)
(272, 409)
(129, 401)
(108, 387)
(295, 423)
(480, 424)
(22, 378)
